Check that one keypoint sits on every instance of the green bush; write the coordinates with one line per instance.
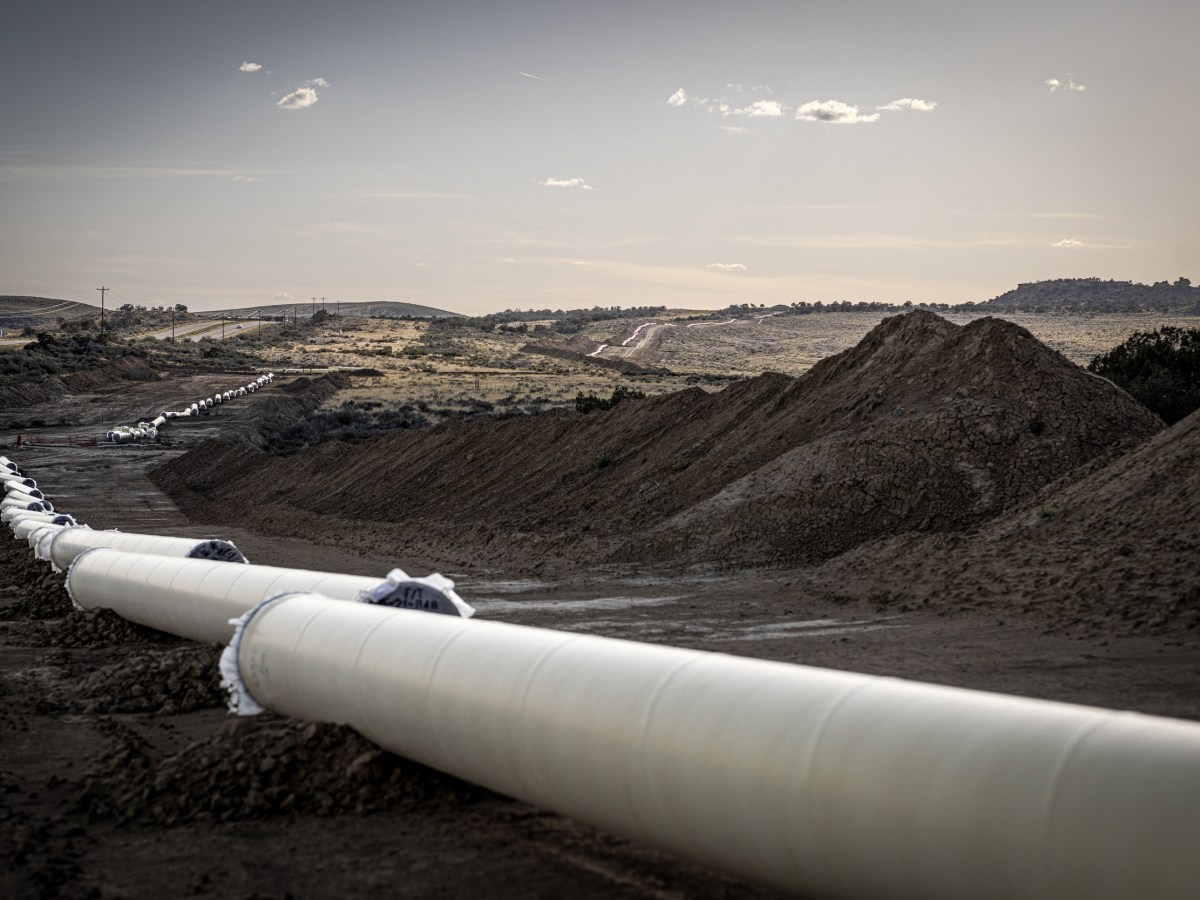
(1160, 369)
(585, 403)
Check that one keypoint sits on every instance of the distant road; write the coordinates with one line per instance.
(194, 331)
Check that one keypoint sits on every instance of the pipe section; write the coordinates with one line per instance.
(197, 598)
(12, 516)
(830, 784)
(30, 504)
(73, 541)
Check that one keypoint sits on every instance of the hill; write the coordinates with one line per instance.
(1092, 294)
(365, 308)
(17, 313)
(923, 426)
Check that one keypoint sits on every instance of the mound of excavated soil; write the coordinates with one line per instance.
(1113, 551)
(923, 426)
(256, 768)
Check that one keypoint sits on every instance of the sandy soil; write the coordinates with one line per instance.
(140, 786)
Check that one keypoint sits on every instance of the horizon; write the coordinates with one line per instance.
(475, 159)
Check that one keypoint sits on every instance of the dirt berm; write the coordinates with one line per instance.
(924, 426)
(1109, 552)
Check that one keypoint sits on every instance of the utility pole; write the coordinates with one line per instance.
(222, 326)
(322, 304)
(172, 324)
(314, 300)
(102, 290)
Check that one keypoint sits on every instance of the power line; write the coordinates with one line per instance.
(102, 290)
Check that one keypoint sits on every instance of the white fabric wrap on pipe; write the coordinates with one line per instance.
(12, 487)
(73, 541)
(832, 784)
(18, 482)
(197, 598)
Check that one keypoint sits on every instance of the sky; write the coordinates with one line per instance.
(484, 156)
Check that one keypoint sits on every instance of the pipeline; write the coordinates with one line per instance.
(71, 542)
(13, 515)
(198, 598)
(831, 784)
(147, 432)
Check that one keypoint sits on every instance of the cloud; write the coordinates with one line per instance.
(536, 77)
(249, 67)
(1068, 242)
(301, 98)
(736, 129)
(317, 82)
(244, 178)
(771, 109)
(282, 297)
(566, 183)
(727, 267)
(833, 111)
(909, 103)
(679, 98)
(1070, 85)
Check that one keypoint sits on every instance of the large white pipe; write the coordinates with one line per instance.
(21, 497)
(74, 541)
(13, 503)
(196, 598)
(12, 516)
(6, 463)
(24, 493)
(830, 784)
(35, 532)
(19, 482)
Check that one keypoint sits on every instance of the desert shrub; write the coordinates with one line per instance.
(1160, 369)
(585, 403)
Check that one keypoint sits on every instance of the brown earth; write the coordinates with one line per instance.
(924, 426)
(120, 775)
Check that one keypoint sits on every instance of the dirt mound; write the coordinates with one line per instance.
(179, 680)
(1110, 552)
(924, 425)
(15, 395)
(262, 767)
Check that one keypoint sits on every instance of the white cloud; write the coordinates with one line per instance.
(909, 103)
(566, 183)
(1068, 242)
(679, 98)
(1070, 85)
(317, 82)
(727, 267)
(833, 111)
(736, 129)
(536, 77)
(301, 98)
(761, 109)
(244, 178)
(249, 67)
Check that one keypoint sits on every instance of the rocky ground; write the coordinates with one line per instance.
(1058, 563)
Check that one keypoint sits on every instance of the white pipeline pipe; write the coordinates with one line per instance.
(20, 497)
(19, 482)
(12, 503)
(12, 516)
(24, 527)
(74, 541)
(23, 492)
(830, 784)
(6, 463)
(196, 598)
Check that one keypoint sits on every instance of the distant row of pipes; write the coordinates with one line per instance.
(147, 432)
(826, 783)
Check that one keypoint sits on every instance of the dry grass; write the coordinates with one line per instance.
(489, 367)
